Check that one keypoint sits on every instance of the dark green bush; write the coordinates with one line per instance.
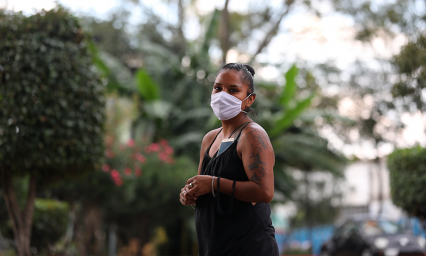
(408, 179)
(50, 223)
(51, 97)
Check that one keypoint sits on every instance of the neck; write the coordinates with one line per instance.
(230, 125)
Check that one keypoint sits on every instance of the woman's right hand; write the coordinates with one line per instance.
(185, 198)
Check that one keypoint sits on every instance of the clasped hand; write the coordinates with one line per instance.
(201, 184)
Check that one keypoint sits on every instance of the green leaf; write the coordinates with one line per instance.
(146, 86)
(290, 115)
(290, 86)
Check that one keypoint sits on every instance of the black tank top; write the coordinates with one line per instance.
(244, 229)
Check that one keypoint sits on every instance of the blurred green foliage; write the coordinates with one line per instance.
(412, 74)
(50, 222)
(52, 104)
(135, 190)
(408, 179)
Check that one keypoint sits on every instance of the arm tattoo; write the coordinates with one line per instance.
(257, 138)
(257, 165)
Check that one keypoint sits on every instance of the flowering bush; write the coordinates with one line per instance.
(126, 160)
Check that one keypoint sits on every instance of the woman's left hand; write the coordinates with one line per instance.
(201, 184)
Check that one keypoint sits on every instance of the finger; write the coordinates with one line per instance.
(193, 192)
(190, 180)
(189, 201)
(187, 194)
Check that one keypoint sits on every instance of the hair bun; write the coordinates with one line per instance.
(250, 69)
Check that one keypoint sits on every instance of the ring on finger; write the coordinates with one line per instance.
(191, 185)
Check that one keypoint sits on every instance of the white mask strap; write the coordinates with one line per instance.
(244, 100)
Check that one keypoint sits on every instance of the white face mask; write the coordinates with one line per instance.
(226, 106)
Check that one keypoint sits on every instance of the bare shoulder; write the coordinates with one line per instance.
(256, 135)
(208, 138)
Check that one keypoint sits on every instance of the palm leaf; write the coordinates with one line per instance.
(290, 115)
(290, 86)
(148, 89)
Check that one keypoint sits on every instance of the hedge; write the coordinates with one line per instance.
(408, 179)
(51, 96)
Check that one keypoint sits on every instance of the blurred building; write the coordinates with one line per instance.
(368, 190)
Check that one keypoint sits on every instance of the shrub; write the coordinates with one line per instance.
(51, 98)
(408, 179)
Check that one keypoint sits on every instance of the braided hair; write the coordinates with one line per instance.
(246, 76)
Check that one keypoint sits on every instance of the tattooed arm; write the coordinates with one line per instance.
(258, 158)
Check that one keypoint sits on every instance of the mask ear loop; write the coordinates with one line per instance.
(244, 100)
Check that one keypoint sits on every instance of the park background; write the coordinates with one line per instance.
(92, 163)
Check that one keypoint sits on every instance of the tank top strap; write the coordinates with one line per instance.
(241, 131)
(208, 149)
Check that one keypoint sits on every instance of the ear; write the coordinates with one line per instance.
(250, 100)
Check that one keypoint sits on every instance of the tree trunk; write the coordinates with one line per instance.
(308, 210)
(22, 220)
(90, 235)
(224, 32)
(273, 31)
(180, 27)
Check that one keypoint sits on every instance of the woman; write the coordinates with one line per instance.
(235, 181)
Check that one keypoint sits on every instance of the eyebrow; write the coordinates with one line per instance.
(230, 85)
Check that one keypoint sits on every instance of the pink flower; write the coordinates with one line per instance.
(130, 143)
(127, 171)
(140, 158)
(115, 174)
(116, 177)
(154, 147)
(169, 150)
(110, 154)
(105, 167)
(138, 172)
(164, 143)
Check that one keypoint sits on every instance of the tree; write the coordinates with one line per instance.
(410, 63)
(52, 108)
(408, 179)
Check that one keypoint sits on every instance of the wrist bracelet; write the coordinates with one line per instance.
(213, 187)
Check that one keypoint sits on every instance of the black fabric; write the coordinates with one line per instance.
(242, 228)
